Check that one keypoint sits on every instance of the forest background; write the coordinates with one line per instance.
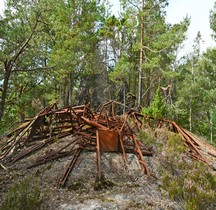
(74, 51)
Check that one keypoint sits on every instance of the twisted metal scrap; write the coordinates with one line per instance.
(101, 132)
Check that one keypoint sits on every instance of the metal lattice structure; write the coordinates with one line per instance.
(101, 131)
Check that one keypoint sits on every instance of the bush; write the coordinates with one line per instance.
(23, 195)
(147, 137)
(186, 181)
(157, 108)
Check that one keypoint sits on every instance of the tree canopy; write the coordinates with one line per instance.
(73, 51)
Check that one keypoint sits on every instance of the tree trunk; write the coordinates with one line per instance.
(141, 56)
(190, 114)
(124, 99)
(70, 89)
(9, 65)
(190, 102)
(148, 86)
(211, 131)
(7, 73)
(66, 92)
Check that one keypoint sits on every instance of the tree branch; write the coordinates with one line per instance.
(155, 51)
(134, 5)
(27, 41)
(34, 69)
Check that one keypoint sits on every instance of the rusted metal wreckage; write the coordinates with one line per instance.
(101, 131)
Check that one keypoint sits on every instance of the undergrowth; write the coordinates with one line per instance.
(147, 137)
(23, 195)
(187, 181)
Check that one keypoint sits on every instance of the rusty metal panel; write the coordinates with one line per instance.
(109, 140)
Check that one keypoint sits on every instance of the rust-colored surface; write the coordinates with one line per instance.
(99, 131)
(109, 140)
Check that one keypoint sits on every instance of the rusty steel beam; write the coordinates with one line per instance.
(98, 155)
(16, 140)
(189, 140)
(93, 123)
(54, 154)
(53, 157)
(142, 159)
(69, 168)
(122, 145)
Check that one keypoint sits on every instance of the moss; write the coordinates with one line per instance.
(134, 205)
(98, 185)
(77, 185)
(103, 183)
(49, 166)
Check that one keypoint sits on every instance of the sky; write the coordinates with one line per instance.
(197, 10)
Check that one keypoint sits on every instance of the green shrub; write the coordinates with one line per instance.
(24, 195)
(157, 108)
(189, 182)
(147, 137)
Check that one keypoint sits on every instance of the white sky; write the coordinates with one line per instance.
(198, 10)
(1, 6)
